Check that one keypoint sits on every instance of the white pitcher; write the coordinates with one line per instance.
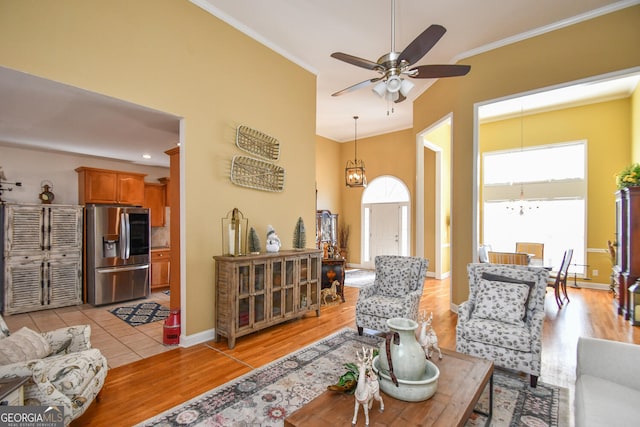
(408, 361)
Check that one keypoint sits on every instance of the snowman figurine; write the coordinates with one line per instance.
(273, 241)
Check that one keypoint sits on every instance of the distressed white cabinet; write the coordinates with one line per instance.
(42, 257)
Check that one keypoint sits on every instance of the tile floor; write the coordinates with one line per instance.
(117, 340)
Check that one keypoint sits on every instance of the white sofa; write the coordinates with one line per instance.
(607, 383)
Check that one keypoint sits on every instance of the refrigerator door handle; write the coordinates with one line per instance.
(125, 243)
(116, 269)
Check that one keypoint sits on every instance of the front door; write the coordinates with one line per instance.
(384, 229)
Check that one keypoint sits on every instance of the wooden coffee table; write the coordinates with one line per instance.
(462, 380)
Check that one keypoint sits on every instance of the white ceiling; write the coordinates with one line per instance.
(42, 113)
(308, 31)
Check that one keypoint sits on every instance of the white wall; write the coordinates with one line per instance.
(31, 167)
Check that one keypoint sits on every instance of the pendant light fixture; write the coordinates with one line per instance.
(523, 205)
(354, 175)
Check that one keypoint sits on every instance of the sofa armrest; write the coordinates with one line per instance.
(367, 291)
(465, 309)
(18, 369)
(610, 360)
(71, 339)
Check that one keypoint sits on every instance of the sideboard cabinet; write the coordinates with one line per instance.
(257, 291)
(627, 267)
(41, 263)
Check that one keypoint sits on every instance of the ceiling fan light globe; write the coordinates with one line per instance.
(380, 89)
(394, 83)
(406, 87)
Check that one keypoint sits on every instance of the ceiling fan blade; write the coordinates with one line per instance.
(401, 98)
(422, 44)
(357, 86)
(437, 71)
(358, 62)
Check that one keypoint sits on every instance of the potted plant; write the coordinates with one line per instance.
(629, 177)
(343, 241)
(299, 235)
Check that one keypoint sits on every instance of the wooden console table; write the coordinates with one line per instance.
(333, 269)
(254, 292)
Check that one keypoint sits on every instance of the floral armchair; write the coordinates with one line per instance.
(395, 292)
(502, 319)
(62, 367)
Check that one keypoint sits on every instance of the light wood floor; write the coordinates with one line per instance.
(139, 390)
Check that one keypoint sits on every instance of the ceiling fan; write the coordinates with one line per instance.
(393, 65)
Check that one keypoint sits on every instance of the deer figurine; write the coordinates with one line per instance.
(426, 336)
(368, 387)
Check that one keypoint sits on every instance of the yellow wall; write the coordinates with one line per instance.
(329, 174)
(606, 127)
(605, 44)
(430, 180)
(635, 125)
(175, 57)
(389, 154)
(440, 136)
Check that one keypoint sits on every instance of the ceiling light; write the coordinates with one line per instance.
(380, 89)
(393, 84)
(146, 156)
(354, 175)
(406, 87)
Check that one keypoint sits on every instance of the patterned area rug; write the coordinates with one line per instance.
(266, 396)
(359, 278)
(141, 314)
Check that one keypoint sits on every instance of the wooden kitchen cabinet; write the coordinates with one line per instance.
(155, 200)
(160, 268)
(254, 292)
(110, 187)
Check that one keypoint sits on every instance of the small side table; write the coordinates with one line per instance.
(11, 392)
(333, 269)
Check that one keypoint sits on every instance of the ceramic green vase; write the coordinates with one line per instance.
(407, 356)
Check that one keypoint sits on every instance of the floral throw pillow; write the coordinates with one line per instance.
(501, 301)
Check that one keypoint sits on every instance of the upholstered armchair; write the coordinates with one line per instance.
(62, 368)
(502, 319)
(395, 292)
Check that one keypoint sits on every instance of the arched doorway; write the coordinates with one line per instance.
(385, 219)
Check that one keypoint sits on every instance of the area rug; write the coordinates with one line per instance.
(266, 396)
(359, 278)
(141, 314)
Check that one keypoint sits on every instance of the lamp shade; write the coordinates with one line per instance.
(393, 84)
(380, 89)
(406, 87)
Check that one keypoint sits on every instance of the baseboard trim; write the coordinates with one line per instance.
(199, 338)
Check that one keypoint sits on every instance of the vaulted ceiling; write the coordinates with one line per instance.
(306, 32)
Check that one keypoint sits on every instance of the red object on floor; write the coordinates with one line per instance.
(171, 334)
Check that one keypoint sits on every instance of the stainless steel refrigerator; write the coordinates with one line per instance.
(118, 253)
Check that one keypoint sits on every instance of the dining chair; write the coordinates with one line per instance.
(559, 283)
(508, 258)
(483, 253)
(535, 250)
